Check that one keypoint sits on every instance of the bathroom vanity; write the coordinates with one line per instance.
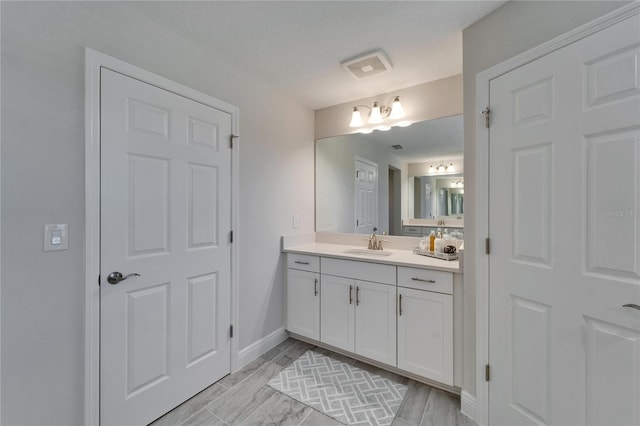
(391, 308)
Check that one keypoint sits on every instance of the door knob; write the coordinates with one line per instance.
(116, 277)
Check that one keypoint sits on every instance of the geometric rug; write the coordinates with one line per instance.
(349, 394)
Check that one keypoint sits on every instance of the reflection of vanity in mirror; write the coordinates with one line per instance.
(405, 181)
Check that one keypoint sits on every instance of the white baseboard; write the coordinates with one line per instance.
(254, 350)
(468, 405)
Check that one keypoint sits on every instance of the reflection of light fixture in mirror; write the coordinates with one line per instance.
(450, 168)
(366, 131)
(441, 168)
(379, 113)
(431, 169)
(383, 128)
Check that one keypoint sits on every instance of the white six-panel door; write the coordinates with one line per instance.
(165, 214)
(366, 196)
(565, 231)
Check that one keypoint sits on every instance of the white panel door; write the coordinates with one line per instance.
(303, 303)
(425, 334)
(366, 196)
(337, 312)
(165, 214)
(565, 230)
(376, 321)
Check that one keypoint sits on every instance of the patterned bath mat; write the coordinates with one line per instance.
(348, 394)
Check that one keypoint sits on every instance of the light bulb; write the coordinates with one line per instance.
(403, 124)
(383, 128)
(375, 117)
(451, 168)
(396, 109)
(431, 169)
(366, 131)
(356, 118)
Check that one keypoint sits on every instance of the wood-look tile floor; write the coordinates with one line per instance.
(243, 398)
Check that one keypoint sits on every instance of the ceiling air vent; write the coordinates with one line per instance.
(367, 65)
(396, 146)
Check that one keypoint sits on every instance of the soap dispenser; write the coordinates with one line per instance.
(432, 240)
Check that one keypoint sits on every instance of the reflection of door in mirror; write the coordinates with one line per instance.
(366, 195)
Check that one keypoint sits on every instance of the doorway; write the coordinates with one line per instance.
(563, 331)
(161, 196)
(395, 202)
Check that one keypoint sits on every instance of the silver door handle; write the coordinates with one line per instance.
(315, 287)
(357, 296)
(424, 281)
(631, 305)
(400, 303)
(300, 262)
(116, 277)
(350, 294)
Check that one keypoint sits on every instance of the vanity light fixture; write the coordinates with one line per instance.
(379, 113)
(441, 168)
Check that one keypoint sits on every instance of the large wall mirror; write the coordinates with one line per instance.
(387, 179)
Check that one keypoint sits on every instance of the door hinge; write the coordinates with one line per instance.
(487, 246)
(487, 372)
(231, 331)
(231, 138)
(486, 114)
(231, 236)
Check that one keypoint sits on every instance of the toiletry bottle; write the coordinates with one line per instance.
(439, 243)
(423, 243)
(432, 240)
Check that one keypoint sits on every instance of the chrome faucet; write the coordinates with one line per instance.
(374, 242)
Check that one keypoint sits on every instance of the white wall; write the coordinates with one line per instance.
(436, 99)
(42, 182)
(512, 29)
(335, 181)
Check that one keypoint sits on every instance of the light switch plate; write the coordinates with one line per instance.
(56, 237)
(296, 222)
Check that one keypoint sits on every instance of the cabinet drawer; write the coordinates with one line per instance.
(374, 272)
(303, 262)
(412, 230)
(425, 279)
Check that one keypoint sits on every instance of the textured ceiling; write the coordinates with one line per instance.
(298, 46)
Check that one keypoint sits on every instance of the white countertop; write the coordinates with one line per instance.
(398, 257)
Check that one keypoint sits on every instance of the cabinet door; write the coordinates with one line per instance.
(376, 321)
(303, 303)
(337, 310)
(425, 334)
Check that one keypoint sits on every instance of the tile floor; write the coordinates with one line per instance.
(243, 398)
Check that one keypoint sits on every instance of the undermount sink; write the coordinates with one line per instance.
(368, 252)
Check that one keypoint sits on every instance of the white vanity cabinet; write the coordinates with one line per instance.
(425, 323)
(357, 314)
(303, 295)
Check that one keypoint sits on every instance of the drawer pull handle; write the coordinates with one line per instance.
(350, 294)
(315, 286)
(357, 295)
(424, 281)
(631, 305)
(301, 262)
(400, 303)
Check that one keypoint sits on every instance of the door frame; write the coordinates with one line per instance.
(481, 272)
(94, 61)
